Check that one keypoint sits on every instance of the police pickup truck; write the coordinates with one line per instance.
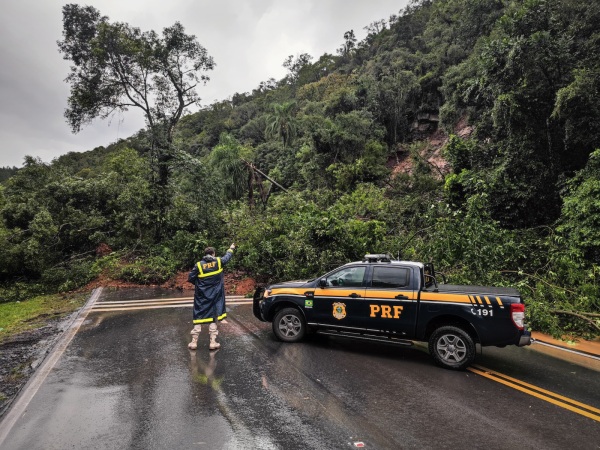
(381, 299)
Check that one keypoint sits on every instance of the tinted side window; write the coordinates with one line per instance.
(348, 277)
(390, 277)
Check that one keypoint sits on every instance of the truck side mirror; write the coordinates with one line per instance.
(323, 282)
(431, 281)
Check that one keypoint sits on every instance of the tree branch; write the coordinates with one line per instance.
(539, 279)
(579, 316)
(253, 167)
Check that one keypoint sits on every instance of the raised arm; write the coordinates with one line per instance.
(227, 256)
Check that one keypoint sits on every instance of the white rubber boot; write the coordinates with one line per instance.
(195, 333)
(213, 333)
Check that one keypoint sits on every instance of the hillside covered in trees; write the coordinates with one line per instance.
(464, 132)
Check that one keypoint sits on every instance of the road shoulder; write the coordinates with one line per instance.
(587, 347)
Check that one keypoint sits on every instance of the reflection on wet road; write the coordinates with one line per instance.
(127, 380)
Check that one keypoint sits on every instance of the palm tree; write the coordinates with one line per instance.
(228, 157)
(282, 123)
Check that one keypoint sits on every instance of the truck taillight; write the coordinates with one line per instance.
(517, 312)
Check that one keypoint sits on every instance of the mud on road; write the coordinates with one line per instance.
(20, 355)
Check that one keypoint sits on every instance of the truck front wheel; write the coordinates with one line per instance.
(289, 325)
(451, 347)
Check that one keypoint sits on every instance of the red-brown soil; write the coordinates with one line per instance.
(236, 283)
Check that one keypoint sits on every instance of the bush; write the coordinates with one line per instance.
(187, 247)
(579, 225)
(69, 276)
(18, 291)
(148, 270)
(298, 238)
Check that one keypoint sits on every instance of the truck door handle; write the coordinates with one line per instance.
(354, 295)
(401, 297)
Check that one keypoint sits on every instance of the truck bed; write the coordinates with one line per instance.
(478, 290)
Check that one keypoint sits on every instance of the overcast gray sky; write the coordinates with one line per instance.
(249, 40)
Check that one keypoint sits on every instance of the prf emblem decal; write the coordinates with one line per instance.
(339, 310)
(308, 303)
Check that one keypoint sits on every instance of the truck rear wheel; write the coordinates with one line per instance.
(452, 347)
(289, 325)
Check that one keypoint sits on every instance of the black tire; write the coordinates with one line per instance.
(452, 347)
(289, 325)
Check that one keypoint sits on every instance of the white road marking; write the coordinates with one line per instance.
(569, 350)
(169, 299)
(185, 302)
(32, 386)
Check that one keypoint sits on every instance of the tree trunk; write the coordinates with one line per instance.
(251, 189)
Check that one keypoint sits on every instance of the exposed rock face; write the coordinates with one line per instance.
(425, 129)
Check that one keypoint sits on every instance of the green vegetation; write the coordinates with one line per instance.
(459, 131)
(7, 172)
(16, 317)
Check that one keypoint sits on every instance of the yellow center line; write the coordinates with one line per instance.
(523, 383)
(542, 394)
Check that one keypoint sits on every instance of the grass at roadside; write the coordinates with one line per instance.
(17, 317)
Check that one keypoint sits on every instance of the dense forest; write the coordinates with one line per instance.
(464, 132)
(7, 172)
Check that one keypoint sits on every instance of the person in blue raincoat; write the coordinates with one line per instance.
(209, 295)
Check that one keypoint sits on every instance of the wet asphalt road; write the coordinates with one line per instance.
(127, 380)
